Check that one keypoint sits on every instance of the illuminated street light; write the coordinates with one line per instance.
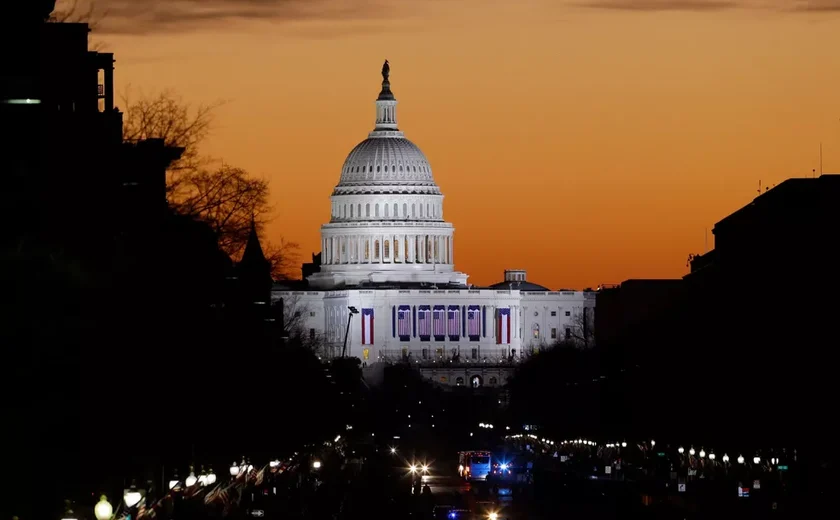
(623, 444)
(191, 480)
(725, 458)
(202, 477)
(493, 516)
(175, 482)
(393, 451)
(316, 464)
(132, 496)
(740, 459)
(274, 463)
(425, 468)
(234, 469)
(702, 453)
(103, 509)
(413, 468)
(211, 477)
(681, 450)
(711, 456)
(652, 443)
(756, 459)
(691, 451)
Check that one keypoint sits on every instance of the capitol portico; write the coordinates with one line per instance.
(386, 289)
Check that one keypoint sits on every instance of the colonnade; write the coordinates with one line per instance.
(387, 249)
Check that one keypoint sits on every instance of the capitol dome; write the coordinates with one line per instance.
(386, 222)
(386, 160)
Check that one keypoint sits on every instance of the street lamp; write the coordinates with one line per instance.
(702, 453)
(316, 464)
(202, 477)
(623, 444)
(234, 469)
(393, 451)
(68, 511)
(725, 458)
(132, 496)
(740, 459)
(756, 459)
(711, 456)
(691, 451)
(652, 443)
(353, 311)
(103, 510)
(680, 450)
(191, 480)
(211, 477)
(174, 483)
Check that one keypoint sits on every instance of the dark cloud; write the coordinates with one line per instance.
(662, 5)
(715, 5)
(155, 16)
(817, 6)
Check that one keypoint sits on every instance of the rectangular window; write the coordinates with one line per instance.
(475, 353)
(425, 353)
(553, 333)
(554, 313)
(312, 313)
(568, 313)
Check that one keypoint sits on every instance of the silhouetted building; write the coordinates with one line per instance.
(254, 272)
(629, 312)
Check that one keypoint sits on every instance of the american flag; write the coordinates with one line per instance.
(424, 321)
(367, 327)
(439, 321)
(404, 322)
(503, 326)
(473, 321)
(454, 316)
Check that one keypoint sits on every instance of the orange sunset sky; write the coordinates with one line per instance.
(585, 141)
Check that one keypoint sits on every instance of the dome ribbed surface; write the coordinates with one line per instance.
(386, 160)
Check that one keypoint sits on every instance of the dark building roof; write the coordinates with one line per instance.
(518, 286)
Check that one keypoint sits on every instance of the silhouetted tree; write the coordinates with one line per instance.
(224, 196)
(583, 327)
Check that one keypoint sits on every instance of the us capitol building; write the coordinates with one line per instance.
(387, 268)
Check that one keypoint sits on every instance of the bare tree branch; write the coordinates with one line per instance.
(583, 327)
(284, 257)
(166, 116)
(74, 11)
(227, 199)
(295, 315)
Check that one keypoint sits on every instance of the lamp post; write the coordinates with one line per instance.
(234, 470)
(191, 479)
(353, 311)
(175, 483)
(68, 511)
(103, 509)
(132, 497)
(211, 477)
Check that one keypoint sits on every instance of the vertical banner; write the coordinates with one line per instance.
(453, 318)
(464, 320)
(503, 326)
(404, 322)
(424, 322)
(367, 326)
(393, 321)
(439, 322)
(473, 322)
(484, 320)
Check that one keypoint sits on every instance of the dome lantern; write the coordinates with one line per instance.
(386, 103)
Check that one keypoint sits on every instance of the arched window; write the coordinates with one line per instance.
(459, 381)
(351, 211)
(421, 211)
(405, 210)
(406, 249)
(397, 250)
(359, 210)
(376, 249)
(493, 381)
(367, 209)
(395, 210)
(535, 330)
(429, 250)
(386, 211)
(413, 210)
(344, 211)
(387, 253)
(367, 250)
(437, 251)
(377, 211)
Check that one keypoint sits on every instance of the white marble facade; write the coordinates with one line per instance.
(388, 253)
(537, 320)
